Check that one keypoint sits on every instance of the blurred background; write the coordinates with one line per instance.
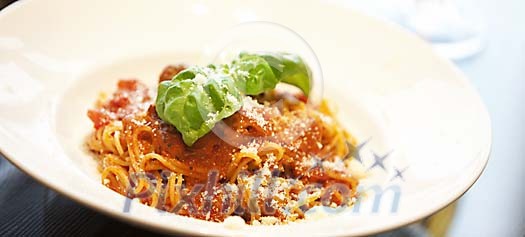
(484, 38)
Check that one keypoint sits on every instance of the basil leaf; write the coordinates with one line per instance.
(195, 100)
(253, 74)
(199, 97)
(287, 68)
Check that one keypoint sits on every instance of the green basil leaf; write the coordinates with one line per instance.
(195, 100)
(199, 97)
(253, 74)
(287, 68)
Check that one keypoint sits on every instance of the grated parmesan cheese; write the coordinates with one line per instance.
(231, 99)
(211, 118)
(252, 148)
(252, 109)
(200, 79)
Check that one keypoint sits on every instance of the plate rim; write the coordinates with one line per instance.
(164, 229)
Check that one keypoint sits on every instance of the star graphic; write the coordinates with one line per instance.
(399, 173)
(379, 161)
(356, 150)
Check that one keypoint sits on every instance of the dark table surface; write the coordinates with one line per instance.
(28, 209)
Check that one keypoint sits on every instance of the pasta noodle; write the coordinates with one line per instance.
(271, 174)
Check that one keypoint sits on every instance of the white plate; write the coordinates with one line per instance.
(55, 56)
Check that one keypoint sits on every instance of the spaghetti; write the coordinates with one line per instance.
(269, 162)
